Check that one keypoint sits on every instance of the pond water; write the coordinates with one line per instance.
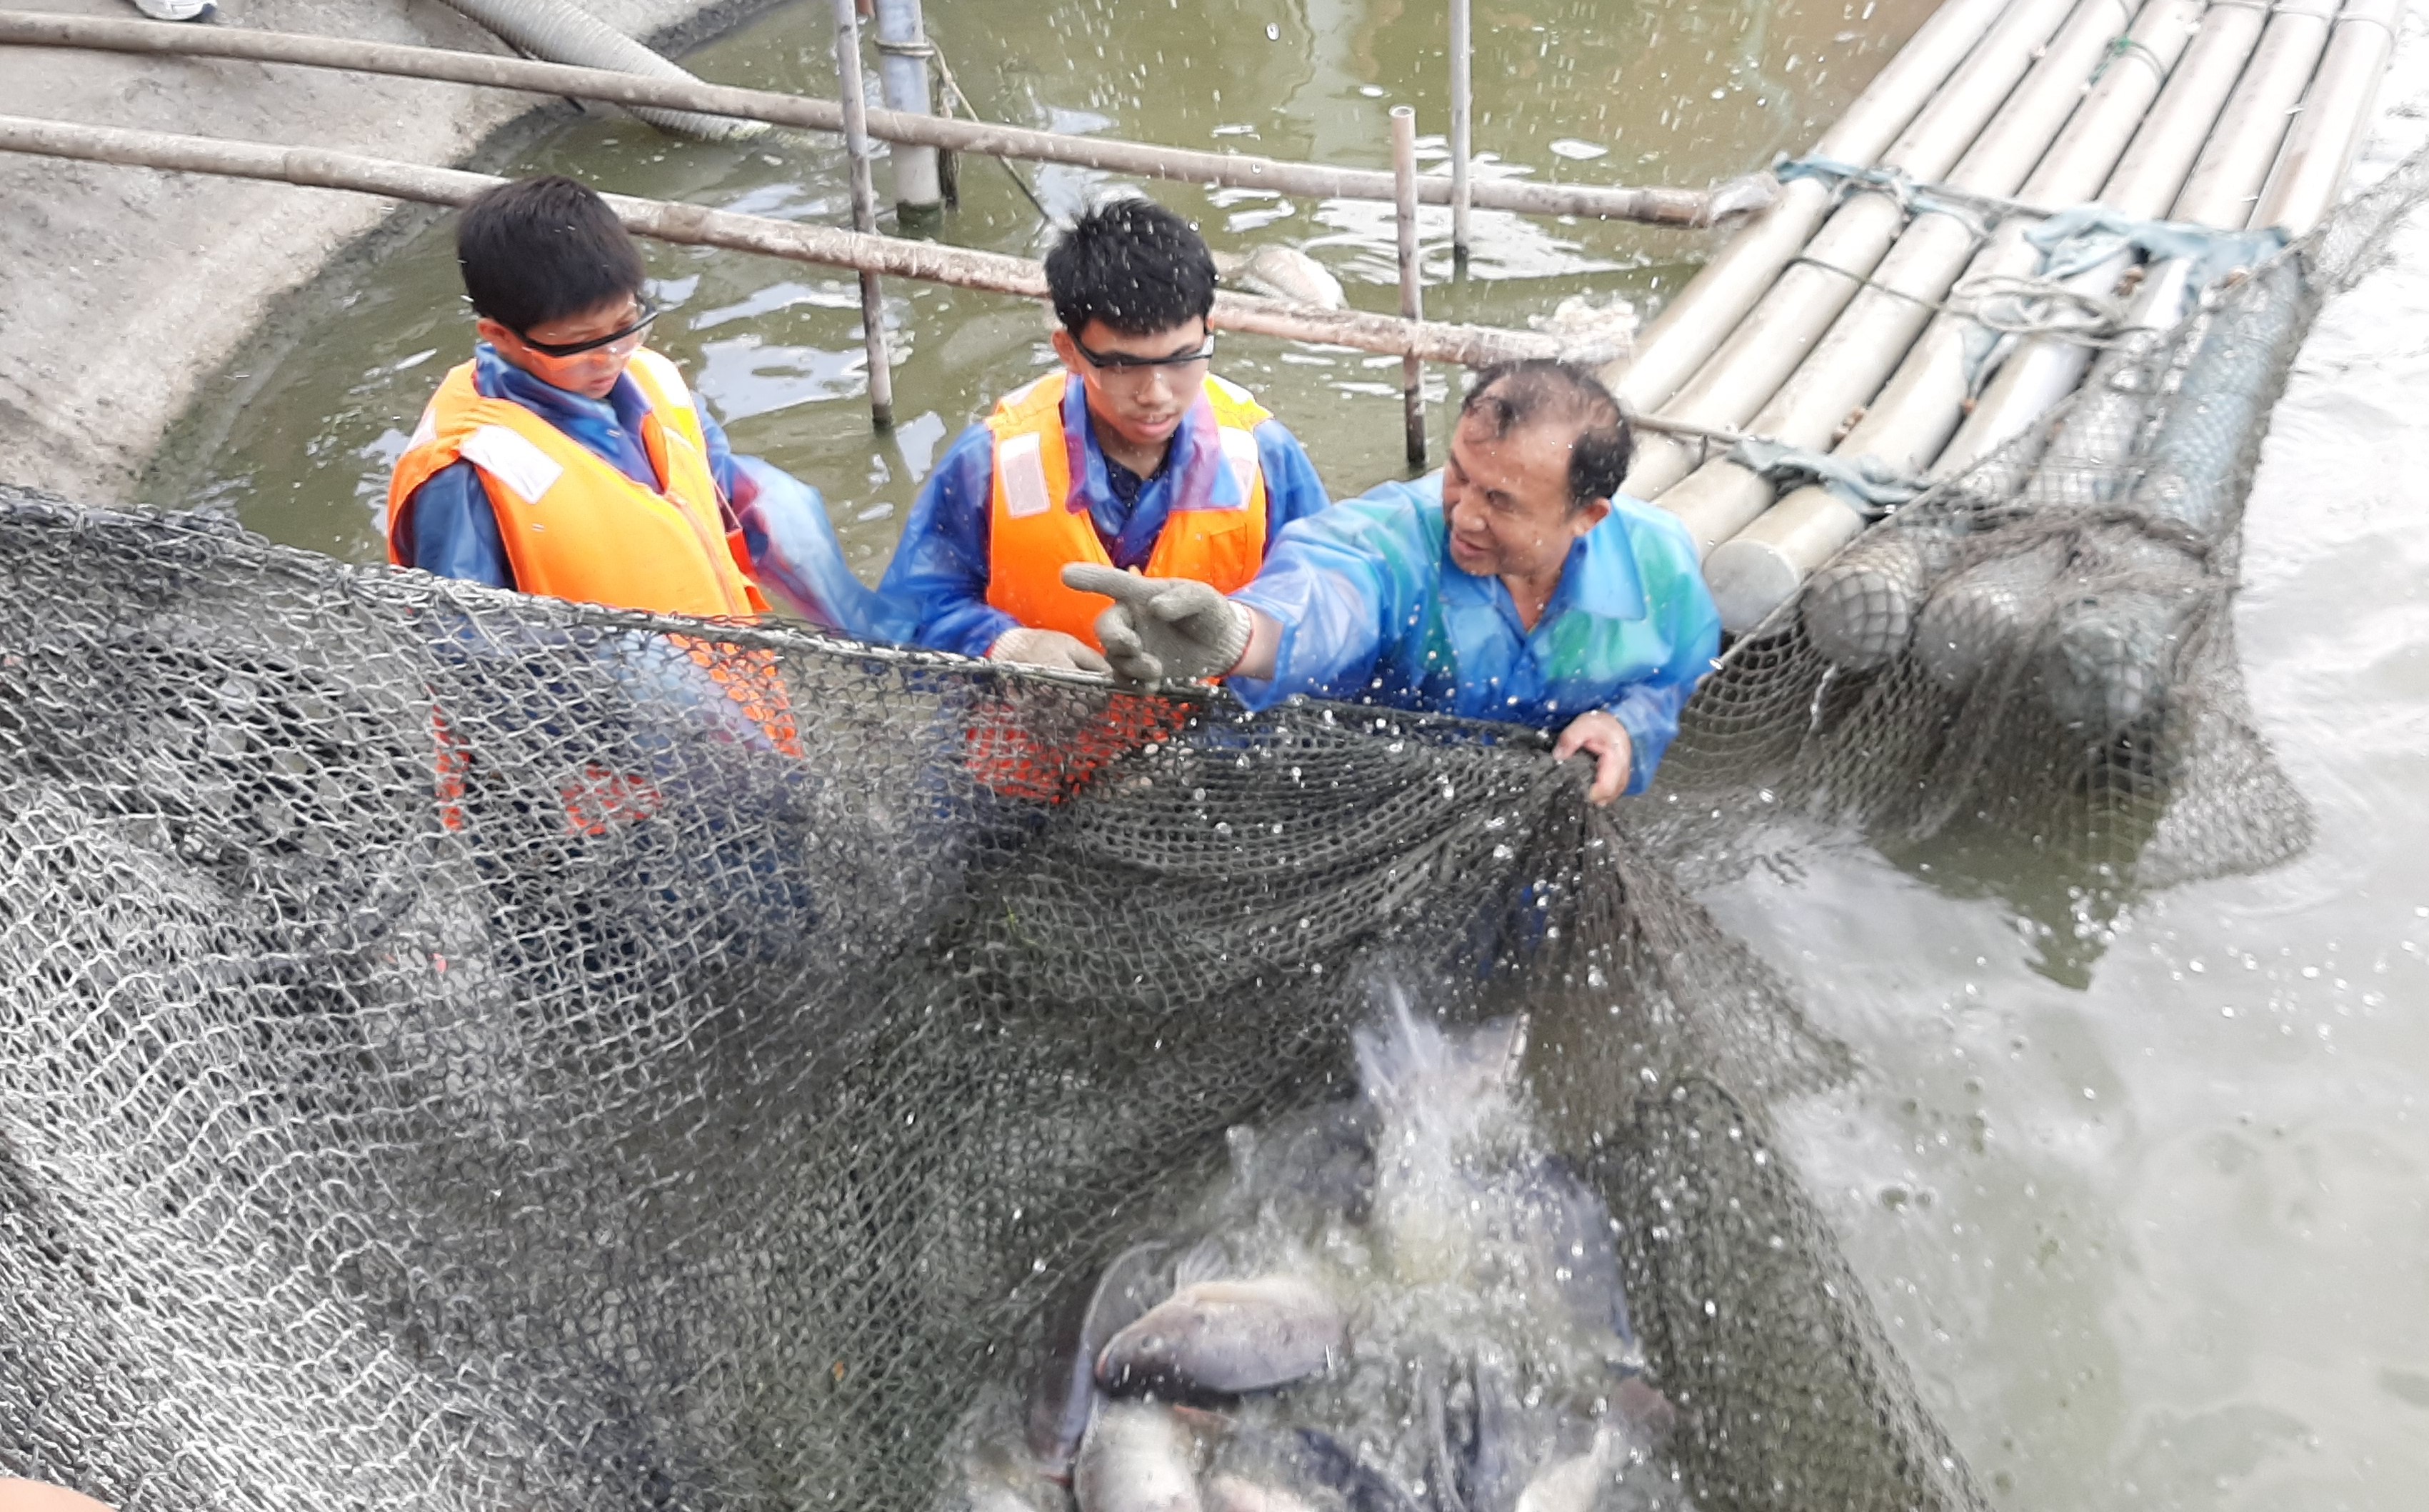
(1589, 90)
(2149, 1221)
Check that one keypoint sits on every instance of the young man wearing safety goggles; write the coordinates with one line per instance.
(567, 458)
(1132, 454)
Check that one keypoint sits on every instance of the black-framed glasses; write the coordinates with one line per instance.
(1124, 362)
(645, 313)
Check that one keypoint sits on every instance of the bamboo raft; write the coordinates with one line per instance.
(1829, 323)
(1845, 316)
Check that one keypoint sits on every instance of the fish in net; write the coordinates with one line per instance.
(477, 1051)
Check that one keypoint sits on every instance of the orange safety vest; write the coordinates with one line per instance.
(1035, 531)
(573, 526)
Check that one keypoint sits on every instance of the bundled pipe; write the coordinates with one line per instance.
(1847, 368)
(2224, 185)
(1860, 610)
(696, 225)
(565, 33)
(1655, 207)
(1714, 303)
(2336, 111)
(2046, 370)
(1907, 425)
(2106, 663)
(1750, 366)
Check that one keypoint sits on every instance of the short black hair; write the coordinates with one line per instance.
(1132, 264)
(1513, 395)
(538, 250)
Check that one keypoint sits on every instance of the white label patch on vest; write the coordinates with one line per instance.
(1240, 450)
(1024, 477)
(512, 461)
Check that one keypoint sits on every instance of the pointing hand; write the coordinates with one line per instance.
(1162, 628)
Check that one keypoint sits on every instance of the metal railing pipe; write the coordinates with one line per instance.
(1652, 206)
(824, 246)
(1413, 297)
(864, 209)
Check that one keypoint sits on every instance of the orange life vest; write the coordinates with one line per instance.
(1035, 530)
(573, 526)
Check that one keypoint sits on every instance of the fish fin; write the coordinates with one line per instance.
(1205, 1261)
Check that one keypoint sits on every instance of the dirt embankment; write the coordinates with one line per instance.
(121, 289)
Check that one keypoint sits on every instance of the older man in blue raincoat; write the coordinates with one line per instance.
(1517, 584)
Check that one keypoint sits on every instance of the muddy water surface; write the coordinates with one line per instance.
(2148, 1209)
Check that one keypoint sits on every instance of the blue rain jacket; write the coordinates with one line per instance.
(1373, 610)
(939, 573)
(795, 558)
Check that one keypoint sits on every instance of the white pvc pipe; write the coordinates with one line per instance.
(1701, 316)
(563, 33)
(1749, 367)
(903, 55)
(1865, 345)
(2044, 372)
(2336, 111)
(1911, 420)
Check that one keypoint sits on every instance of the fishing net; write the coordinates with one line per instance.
(461, 1050)
(477, 1051)
(2036, 658)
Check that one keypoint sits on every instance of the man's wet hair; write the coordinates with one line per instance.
(1132, 264)
(540, 249)
(1542, 390)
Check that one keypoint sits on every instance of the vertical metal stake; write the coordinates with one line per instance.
(902, 54)
(1413, 299)
(864, 207)
(1462, 60)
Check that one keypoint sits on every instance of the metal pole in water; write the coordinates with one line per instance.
(864, 207)
(902, 54)
(1462, 58)
(1413, 299)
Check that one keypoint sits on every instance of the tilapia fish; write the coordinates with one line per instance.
(1214, 1339)
(1137, 1457)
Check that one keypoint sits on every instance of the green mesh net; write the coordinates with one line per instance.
(460, 1050)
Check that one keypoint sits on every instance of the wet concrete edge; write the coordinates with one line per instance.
(127, 295)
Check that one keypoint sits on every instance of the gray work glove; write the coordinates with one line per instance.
(1162, 628)
(1046, 648)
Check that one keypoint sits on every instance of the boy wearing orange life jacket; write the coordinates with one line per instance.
(1132, 454)
(568, 459)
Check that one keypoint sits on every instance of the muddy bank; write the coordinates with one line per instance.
(123, 290)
